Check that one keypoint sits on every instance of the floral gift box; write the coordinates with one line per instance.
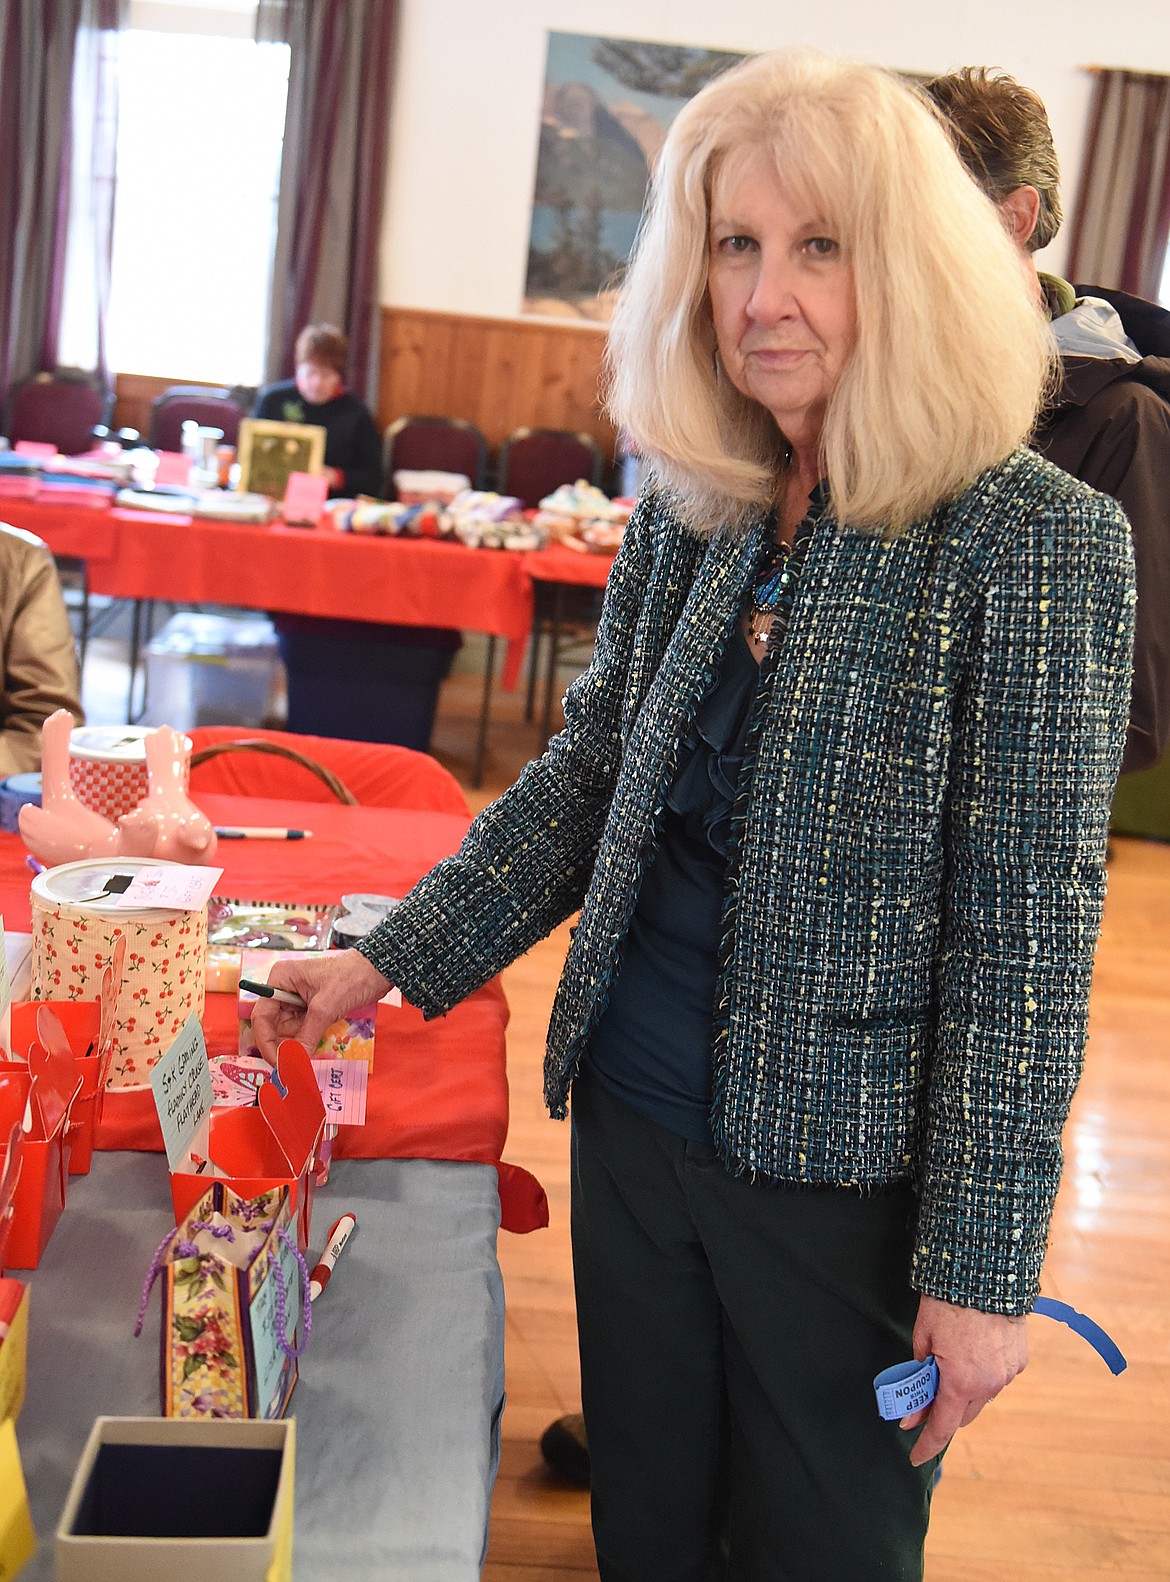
(234, 1296)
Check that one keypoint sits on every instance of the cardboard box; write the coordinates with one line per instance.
(180, 1497)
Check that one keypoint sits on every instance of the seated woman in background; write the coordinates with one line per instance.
(40, 661)
(353, 446)
(338, 669)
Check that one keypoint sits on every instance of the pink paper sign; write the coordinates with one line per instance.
(343, 1090)
(173, 468)
(35, 450)
(304, 498)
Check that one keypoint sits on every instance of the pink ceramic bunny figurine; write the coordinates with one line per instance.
(63, 829)
(184, 833)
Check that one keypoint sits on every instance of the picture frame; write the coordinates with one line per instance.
(269, 451)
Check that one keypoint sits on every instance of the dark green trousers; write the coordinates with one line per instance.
(729, 1337)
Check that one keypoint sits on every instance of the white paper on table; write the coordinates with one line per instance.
(177, 888)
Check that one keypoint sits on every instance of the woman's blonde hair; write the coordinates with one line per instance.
(952, 354)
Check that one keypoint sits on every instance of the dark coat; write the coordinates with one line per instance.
(1109, 425)
(352, 442)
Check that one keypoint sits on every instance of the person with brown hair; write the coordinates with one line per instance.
(317, 395)
(831, 800)
(1108, 420)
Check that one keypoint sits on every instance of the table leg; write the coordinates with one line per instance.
(135, 646)
(489, 670)
(84, 635)
(534, 649)
(554, 639)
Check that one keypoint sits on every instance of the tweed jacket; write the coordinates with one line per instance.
(918, 871)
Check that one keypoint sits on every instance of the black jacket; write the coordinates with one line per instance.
(1109, 425)
(352, 442)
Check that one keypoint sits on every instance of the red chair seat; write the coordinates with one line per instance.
(378, 774)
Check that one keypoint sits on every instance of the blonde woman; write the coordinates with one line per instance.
(832, 800)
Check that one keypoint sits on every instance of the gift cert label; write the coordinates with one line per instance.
(343, 1086)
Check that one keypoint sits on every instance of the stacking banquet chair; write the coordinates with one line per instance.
(234, 760)
(531, 464)
(61, 409)
(434, 444)
(202, 404)
(535, 461)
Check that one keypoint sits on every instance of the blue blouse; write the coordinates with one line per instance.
(652, 1046)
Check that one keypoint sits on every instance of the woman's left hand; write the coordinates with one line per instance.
(977, 1355)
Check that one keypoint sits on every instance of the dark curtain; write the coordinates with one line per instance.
(1122, 219)
(333, 175)
(40, 42)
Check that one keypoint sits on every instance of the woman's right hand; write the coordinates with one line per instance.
(330, 986)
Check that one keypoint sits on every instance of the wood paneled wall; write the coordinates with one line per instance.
(499, 374)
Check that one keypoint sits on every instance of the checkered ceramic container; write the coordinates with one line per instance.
(107, 767)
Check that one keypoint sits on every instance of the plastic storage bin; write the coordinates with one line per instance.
(213, 670)
(364, 682)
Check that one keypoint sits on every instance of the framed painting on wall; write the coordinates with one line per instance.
(270, 451)
(608, 104)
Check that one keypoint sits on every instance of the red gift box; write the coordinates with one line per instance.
(10, 1163)
(42, 1092)
(78, 1022)
(83, 1029)
(273, 1143)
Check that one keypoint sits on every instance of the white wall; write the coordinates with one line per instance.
(470, 76)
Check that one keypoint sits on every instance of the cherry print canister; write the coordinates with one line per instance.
(74, 927)
(107, 767)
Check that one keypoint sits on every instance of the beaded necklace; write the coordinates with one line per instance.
(775, 584)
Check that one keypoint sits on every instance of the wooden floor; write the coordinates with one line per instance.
(1067, 1477)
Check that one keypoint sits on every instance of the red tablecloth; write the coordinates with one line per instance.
(439, 1089)
(397, 581)
(571, 566)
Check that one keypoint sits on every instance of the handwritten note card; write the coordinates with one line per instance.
(178, 888)
(182, 1094)
(343, 1090)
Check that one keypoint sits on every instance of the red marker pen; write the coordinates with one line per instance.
(336, 1240)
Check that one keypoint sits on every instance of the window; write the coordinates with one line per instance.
(200, 127)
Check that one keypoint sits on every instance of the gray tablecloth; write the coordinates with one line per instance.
(402, 1386)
